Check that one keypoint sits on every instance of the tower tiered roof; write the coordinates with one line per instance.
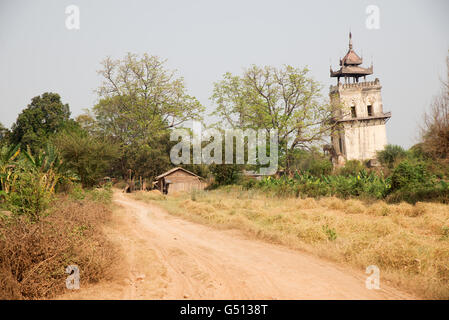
(350, 65)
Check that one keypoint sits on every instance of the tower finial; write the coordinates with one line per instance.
(350, 40)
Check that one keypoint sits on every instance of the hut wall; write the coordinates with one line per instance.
(183, 182)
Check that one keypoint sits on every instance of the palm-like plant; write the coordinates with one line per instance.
(7, 157)
(49, 165)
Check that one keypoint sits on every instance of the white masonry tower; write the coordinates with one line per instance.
(358, 113)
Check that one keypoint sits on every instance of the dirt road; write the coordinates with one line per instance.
(170, 258)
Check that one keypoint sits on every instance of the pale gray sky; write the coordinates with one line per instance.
(205, 39)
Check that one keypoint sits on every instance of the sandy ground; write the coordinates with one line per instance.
(165, 257)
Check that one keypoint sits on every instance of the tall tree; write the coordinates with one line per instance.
(285, 98)
(140, 101)
(435, 131)
(139, 95)
(43, 117)
(89, 157)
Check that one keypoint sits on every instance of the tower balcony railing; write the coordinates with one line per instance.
(345, 118)
(362, 84)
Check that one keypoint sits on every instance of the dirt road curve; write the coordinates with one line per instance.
(170, 258)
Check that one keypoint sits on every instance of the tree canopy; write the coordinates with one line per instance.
(139, 96)
(44, 116)
(140, 101)
(286, 99)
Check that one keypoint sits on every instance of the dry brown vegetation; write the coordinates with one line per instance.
(409, 243)
(435, 131)
(33, 256)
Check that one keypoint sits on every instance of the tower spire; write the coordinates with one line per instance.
(350, 40)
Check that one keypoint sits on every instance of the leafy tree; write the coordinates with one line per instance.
(226, 174)
(286, 99)
(390, 154)
(140, 101)
(87, 122)
(89, 157)
(148, 159)
(43, 117)
(140, 96)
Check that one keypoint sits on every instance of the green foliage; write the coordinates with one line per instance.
(409, 174)
(88, 157)
(102, 195)
(312, 161)
(43, 117)
(352, 167)
(286, 99)
(147, 159)
(321, 167)
(410, 181)
(365, 185)
(140, 101)
(140, 96)
(331, 234)
(225, 174)
(30, 180)
(390, 154)
(7, 155)
(413, 194)
(30, 196)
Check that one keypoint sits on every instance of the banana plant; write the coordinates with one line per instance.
(7, 157)
(49, 165)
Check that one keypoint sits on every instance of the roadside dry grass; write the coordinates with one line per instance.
(409, 243)
(33, 256)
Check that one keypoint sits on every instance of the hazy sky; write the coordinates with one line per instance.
(205, 39)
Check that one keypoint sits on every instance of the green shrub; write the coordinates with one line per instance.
(226, 174)
(320, 167)
(89, 157)
(351, 167)
(331, 234)
(390, 154)
(415, 193)
(248, 183)
(408, 174)
(101, 195)
(30, 197)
